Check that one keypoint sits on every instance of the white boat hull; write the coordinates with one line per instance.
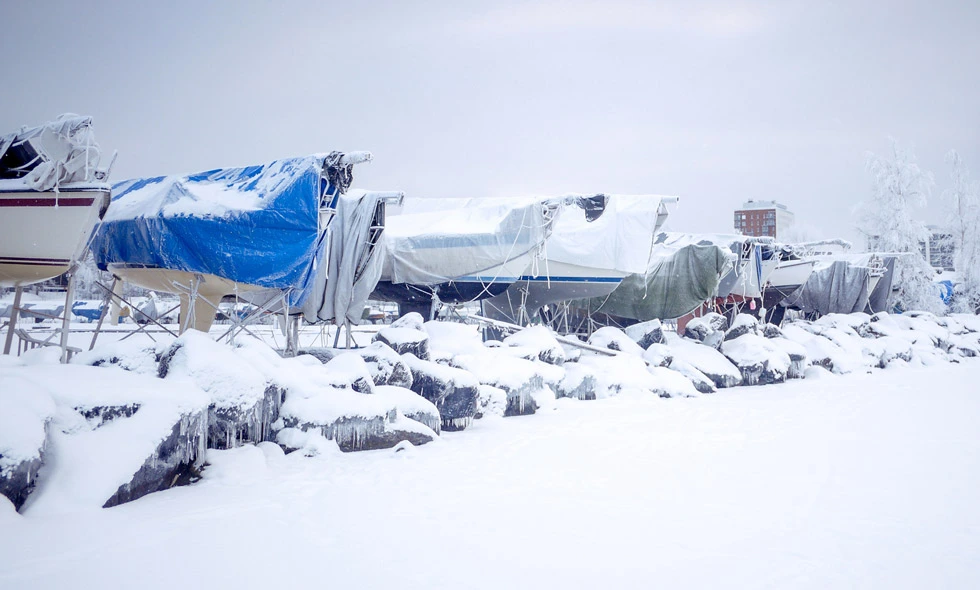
(790, 273)
(554, 282)
(42, 234)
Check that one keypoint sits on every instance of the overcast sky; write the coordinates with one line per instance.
(716, 102)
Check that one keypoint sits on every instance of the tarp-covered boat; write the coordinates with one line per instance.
(594, 245)
(841, 284)
(684, 271)
(458, 250)
(226, 231)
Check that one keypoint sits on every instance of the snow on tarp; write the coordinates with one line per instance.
(43, 157)
(684, 270)
(438, 240)
(619, 239)
(256, 225)
(354, 263)
(837, 287)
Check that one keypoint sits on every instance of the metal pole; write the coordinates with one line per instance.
(14, 312)
(105, 311)
(66, 321)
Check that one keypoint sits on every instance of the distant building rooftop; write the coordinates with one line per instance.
(753, 204)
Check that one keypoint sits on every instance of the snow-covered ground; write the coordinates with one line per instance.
(857, 480)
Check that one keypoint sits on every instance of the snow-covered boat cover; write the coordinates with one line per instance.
(684, 271)
(834, 286)
(256, 225)
(438, 240)
(59, 152)
(878, 299)
(343, 284)
(619, 239)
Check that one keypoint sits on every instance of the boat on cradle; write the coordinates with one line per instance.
(592, 248)
(52, 195)
(756, 259)
(259, 233)
(844, 283)
(683, 273)
(792, 271)
(460, 250)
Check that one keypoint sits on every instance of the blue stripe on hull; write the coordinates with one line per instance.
(545, 279)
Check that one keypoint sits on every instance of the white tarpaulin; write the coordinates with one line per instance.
(61, 151)
(439, 240)
(619, 239)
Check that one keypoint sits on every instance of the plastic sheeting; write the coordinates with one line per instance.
(878, 300)
(619, 239)
(835, 287)
(59, 152)
(684, 271)
(256, 225)
(354, 267)
(439, 240)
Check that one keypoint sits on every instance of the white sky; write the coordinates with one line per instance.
(716, 102)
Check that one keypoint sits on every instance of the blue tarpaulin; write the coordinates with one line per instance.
(256, 225)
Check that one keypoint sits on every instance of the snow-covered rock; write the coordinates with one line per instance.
(741, 325)
(646, 333)
(541, 341)
(322, 398)
(615, 339)
(658, 355)
(705, 359)
(411, 405)
(699, 380)
(25, 413)
(578, 382)
(797, 355)
(385, 365)
(126, 354)
(405, 340)
(857, 351)
(759, 361)
(670, 383)
(822, 351)
(708, 329)
(116, 436)
(770, 331)
(523, 380)
(629, 373)
(491, 401)
(243, 402)
(412, 320)
(453, 391)
(447, 339)
(310, 443)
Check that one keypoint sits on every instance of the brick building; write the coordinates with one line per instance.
(763, 218)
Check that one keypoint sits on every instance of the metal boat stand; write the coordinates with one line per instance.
(26, 341)
(112, 297)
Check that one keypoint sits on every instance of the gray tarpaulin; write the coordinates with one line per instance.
(678, 281)
(839, 287)
(342, 286)
(878, 300)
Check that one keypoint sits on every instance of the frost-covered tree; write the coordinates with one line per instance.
(964, 225)
(887, 219)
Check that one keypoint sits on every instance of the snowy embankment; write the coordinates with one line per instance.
(855, 480)
(129, 419)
